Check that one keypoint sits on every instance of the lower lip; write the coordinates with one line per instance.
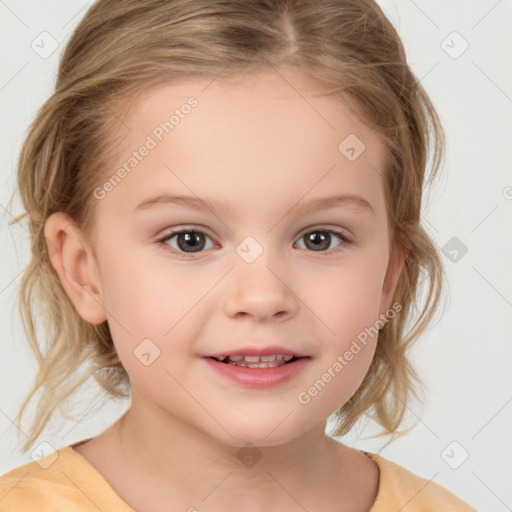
(259, 377)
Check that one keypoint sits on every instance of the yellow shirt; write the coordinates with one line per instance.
(69, 483)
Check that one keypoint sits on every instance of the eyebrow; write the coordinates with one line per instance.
(201, 204)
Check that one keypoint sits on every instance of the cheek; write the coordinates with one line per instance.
(348, 298)
(136, 298)
(157, 302)
(135, 303)
(349, 310)
(144, 294)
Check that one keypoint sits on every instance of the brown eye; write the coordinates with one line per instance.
(186, 240)
(190, 240)
(320, 240)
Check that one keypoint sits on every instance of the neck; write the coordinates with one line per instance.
(190, 467)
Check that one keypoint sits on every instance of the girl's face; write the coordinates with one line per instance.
(270, 260)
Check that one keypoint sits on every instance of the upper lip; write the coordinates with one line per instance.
(256, 351)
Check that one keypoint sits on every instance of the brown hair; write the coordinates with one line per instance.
(346, 47)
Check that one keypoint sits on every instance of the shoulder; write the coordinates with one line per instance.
(399, 487)
(43, 483)
(59, 482)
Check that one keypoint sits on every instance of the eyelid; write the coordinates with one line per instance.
(203, 229)
(172, 232)
(344, 233)
(346, 239)
(183, 228)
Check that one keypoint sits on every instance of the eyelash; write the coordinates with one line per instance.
(162, 240)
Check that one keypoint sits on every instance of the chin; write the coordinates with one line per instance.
(268, 432)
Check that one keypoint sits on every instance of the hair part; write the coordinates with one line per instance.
(347, 48)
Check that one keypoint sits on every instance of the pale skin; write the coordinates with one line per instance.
(259, 146)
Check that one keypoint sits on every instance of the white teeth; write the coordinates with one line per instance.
(270, 364)
(257, 365)
(269, 361)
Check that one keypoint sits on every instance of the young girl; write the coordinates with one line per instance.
(224, 206)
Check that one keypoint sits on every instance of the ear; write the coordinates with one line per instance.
(75, 265)
(393, 272)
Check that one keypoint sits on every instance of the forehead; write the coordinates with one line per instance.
(265, 132)
(242, 101)
(266, 101)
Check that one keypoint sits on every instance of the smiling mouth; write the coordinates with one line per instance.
(270, 361)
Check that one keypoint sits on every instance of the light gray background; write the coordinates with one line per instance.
(464, 358)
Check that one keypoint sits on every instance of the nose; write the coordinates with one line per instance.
(260, 291)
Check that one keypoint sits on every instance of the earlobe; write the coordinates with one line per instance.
(75, 265)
